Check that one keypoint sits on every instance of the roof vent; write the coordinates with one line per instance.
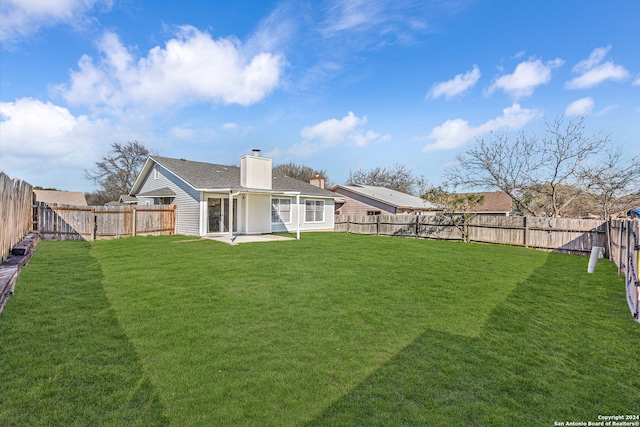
(256, 152)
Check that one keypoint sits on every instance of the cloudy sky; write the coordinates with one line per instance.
(332, 84)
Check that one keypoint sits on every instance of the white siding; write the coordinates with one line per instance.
(299, 212)
(187, 200)
(259, 213)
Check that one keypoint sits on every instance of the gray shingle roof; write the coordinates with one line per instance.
(388, 196)
(201, 175)
(160, 192)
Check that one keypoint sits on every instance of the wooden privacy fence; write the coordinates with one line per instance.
(625, 246)
(64, 222)
(557, 234)
(15, 212)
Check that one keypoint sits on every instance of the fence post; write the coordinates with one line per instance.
(348, 224)
(378, 225)
(134, 215)
(175, 219)
(94, 228)
(526, 232)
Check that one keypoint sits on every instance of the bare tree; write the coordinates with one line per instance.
(398, 178)
(615, 184)
(458, 209)
(117, 171)
(301, 172)
(550, 170)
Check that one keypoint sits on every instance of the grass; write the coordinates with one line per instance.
(333, 329)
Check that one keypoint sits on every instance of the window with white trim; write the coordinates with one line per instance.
(281, 210)
(156, 173)
(314, 211)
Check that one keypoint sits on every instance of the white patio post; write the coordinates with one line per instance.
(230, 215)
(298, 208)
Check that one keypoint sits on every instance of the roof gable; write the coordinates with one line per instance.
(211, 176)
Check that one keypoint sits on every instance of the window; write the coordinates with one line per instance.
(373, 212)
(281, 210)
(314, 211)
(156, 173)
(162, 200)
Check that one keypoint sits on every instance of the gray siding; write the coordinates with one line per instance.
(187, 200)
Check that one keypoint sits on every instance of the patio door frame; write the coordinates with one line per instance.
(223, 221)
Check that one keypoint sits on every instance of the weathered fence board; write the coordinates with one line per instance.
(103, 222)
(15, 212)
(625, 247)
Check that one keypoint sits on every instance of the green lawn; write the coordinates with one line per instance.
(333, 329)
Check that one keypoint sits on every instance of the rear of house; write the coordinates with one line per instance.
(213, 199)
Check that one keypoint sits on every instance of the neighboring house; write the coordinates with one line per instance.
(53, 197)
(127, 200)
(494, 203)
(215, 199)
(371, 200)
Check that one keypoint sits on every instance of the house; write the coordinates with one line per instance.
(371, 200)
(214, 199)
(494, 203)
(54, 197)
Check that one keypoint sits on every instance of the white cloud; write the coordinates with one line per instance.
(580, 107)
(636, 82)
(47, 145)
(230, 126)
(525, 78)
(367, 23)
(459, 84)
(190, 68)
(457, 132)
(333, 132)
(31, 127)
(592, 71)
(20, 18)
(181, 133)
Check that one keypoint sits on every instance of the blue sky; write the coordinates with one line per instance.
(335, 85)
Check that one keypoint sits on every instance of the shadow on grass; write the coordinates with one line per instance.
(562, 347)
(64, 359)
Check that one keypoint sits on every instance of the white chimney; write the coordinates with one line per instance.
(255, 171)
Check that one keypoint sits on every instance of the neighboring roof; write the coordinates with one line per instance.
(494, 201)
(209, 176)
(75, 198)
(634, 211)
(160, 192)
(388, 196)
(126, 199)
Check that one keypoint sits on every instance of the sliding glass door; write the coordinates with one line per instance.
(218, 215)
